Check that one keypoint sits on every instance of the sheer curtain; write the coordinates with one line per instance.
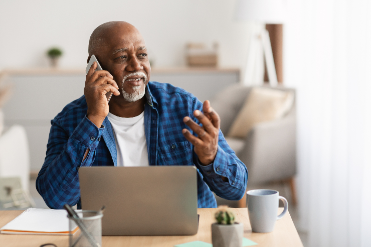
(328, 59)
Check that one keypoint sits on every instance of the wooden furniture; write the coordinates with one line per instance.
(242, 202)
(40, 94)
(276, 37)
(284, 233)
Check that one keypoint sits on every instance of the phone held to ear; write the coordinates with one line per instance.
(91, 61)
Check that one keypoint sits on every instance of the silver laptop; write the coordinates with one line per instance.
(146, 201)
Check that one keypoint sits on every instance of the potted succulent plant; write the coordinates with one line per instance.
(226, 232)
(54, 54)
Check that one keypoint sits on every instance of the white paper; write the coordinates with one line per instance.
(40, 220)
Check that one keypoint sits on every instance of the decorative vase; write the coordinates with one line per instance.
(227, 235)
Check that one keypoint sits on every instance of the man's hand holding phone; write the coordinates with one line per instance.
(97, 85)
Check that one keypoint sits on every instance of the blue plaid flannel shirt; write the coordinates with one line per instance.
(72, 133)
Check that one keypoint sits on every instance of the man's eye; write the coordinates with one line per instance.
(143, 55)
(121, 57)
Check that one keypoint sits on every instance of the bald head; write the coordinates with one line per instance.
(120, 49)
(103, 32)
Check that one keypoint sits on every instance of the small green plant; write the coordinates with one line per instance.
(224, 217)
(54, 52)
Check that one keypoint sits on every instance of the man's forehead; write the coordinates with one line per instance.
(126, 40)
(127, 48)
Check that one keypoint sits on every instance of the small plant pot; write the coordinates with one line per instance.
(54, 62)
(227, 235)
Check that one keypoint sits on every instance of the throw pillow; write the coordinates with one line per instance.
(263, 104)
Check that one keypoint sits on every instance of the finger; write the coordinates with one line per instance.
(107, 88)
(206, 106)
(100, 73)
(196, 128)
(211, 114)
(113, 83)
(215, 119)
(191, 138)
(106, 80)
(206, 122)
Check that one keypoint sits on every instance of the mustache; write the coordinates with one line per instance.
(135, 74)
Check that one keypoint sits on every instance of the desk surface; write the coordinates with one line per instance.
(284, 233)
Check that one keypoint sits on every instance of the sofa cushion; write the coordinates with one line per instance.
(263, 104)
(236, 144)
(228, 103)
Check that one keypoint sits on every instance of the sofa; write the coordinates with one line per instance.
(269, 148)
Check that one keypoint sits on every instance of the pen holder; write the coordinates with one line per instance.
(93, 223)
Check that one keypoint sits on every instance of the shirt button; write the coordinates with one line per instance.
(217, 169)
(92, 138)
(173, 146)
(99, 139)
(233, 183)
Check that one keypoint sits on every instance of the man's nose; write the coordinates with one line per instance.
(134, 64)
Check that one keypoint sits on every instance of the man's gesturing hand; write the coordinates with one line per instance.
(206, 142)
(97, 85)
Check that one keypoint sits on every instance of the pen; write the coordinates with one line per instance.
(80, 224)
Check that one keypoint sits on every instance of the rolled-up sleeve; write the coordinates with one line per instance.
(57, 181)
(226, 164)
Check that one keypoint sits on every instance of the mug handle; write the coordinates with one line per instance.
(285, 207)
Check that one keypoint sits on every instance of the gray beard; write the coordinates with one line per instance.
(132, 97)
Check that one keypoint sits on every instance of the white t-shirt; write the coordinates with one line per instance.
(130, 140)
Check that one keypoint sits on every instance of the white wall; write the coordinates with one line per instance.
(327, 58)
(29, 28)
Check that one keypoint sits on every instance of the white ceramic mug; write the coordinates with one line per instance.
(262, 207)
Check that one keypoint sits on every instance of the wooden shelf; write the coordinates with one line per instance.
(74, 71)
(177, 70)
(39, 71)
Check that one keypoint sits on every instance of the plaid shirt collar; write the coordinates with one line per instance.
(149, 96)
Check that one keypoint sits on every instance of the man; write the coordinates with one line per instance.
(145, 123)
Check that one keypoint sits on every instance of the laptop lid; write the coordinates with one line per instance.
(147, 201)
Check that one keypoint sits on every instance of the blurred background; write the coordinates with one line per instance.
(290, 79)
